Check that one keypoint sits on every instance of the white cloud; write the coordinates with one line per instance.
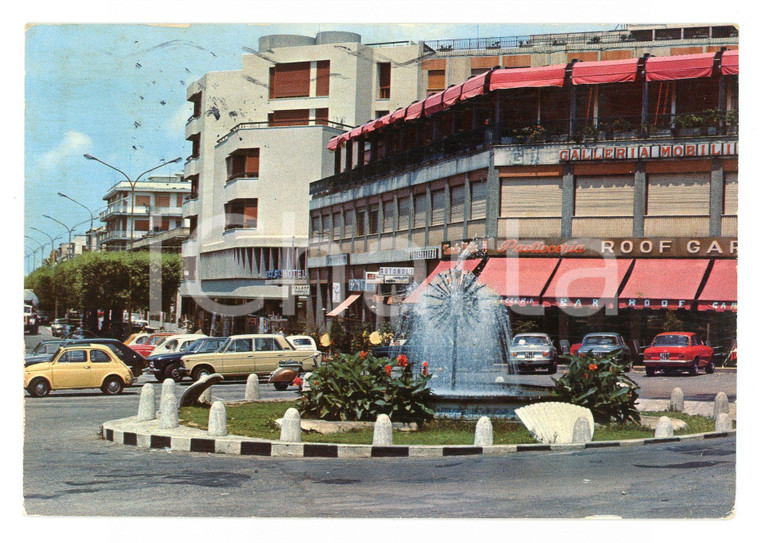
(73, 143)
(176, 124)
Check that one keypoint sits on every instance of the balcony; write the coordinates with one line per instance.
(560, 131)
(126, 209)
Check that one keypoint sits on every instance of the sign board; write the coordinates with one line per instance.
(397, 271)
(397, 279)
(360, 285)
(475, 248)
(286, 274)
(635, 152)
(372, 278)
(424, 254)
(337, 260)
(300, 290)
(337, 293)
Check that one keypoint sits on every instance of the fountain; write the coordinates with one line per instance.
(462, 329)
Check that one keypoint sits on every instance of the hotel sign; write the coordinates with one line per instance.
(634, 152)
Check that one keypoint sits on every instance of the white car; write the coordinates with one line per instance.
(175, 343)
(303, 343)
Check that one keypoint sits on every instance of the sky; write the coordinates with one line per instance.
(118, 92)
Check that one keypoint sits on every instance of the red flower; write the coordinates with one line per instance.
(425, 367)
(363, 355)
(585, 375)
(403, 360)
(592, 366)
(388, 370)
(298, 382)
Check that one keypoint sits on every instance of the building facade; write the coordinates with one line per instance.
(154, 206)
(589, 194)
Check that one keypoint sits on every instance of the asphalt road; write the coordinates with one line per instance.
(69, 470)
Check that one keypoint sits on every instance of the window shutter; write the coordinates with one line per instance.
(478, 200)
(337, 225)
(326, 227)
(323, 78)
(321, 116)
(292, 80)
(420, 210)
(404, 208)
(389, 213)
(348, 219)
(293, 117)
(457, 204)
(731, 195)
(531, 197)
(436, 80)
(678, 194)
(250, 213)
(163, 201)
(142, 200)
(597, 196)
(252, 163)
(439, 203)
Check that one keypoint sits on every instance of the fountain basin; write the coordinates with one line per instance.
(498, 401)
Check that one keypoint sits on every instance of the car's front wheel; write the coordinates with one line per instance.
(199, 373)
(173, 372)
(39, 388)
(112, 386)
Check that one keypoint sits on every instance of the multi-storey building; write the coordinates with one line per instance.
(589, 192)
(259, 137)
(155, 205)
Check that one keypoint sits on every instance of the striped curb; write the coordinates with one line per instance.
(152, 438)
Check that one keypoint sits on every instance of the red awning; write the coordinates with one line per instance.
(729, 64)
(443, 265)
(660, 283)
(679, 67)
(451, 95)
(333, 143)
(520, 280)
(544, 76)
(475, 86)
(433, 103)
(355, 132)
(586, 282)
(720, 293)
(383, 121)
(368, 127)
(398, 115)
(414, 111)
(343, 305)
(606, 71)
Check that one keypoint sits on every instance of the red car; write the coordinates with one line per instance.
(144, 349)
(678, 351)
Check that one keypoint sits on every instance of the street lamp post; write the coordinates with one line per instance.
(132, 185)
(92, 216)
(51, 238)
(69, 230)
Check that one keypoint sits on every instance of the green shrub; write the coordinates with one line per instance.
(360, 387)
(601, 385)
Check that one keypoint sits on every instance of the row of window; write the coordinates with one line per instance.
(413, 212)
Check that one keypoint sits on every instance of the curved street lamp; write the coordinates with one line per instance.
(69, 230)
(92, 216)
(132, 185)
(51, 238)
(41, 249)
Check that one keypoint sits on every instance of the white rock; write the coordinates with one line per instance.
(553, 422)
(217, 420)
(169, 417)
(499, 379)
(724, 423)
(147, 408)
(483, 432)
(676, 400)
(383, 434)
(167, 388)
(291, 426)
(581, 430)
(252, 388)
(664, 428)
(720, 405)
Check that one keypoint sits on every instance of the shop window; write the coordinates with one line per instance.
(384, 80)
(241, 213)
(456, 209)
(404, 210)
(478, 199)
(290, 80)
(323, 78)
(604, 196)
(374, 218)
(243, 163)
(420, 210)
(439, 207)
(436, 81)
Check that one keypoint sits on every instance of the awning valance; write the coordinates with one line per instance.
(433, 103)
(586, 282)
(606, 71)
(663, 283)
(679, 67)
(340, 308)
(368, 127)
(720, 292)
(443, 265)
(475, 86)
(544, 76)
(729, 64)
(451, 95)
(519, 280)
(398, 115)
(333, 143)
(355, 132)
(414, 111)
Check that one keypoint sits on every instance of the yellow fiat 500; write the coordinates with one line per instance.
(85, 366)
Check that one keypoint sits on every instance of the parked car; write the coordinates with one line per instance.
(135, 361)
(43, 318)
(79, 366)
(604, 343)
(42, 352)
(252, 353)
(303, 343)
(532, 351)
(138, 338)
(153, 341)
(31, 324)
(57, 327)
(78, 333)
(678, 351)
(168, 365)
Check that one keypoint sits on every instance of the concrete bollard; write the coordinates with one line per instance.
(306, 384)
(147, 408)
(724, 423)
(720, 405)
(167, 388)
(291, 426)
(217, 420)
(499, 379)
(676, 400)
(205, 396)
(664, 428)
(252, 388)
(169, 416)
(483, 432)
(383, 435)
(581, 430)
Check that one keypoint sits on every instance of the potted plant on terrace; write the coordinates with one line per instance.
(689, 124)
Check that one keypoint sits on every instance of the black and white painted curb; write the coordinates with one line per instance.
(128, 432)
